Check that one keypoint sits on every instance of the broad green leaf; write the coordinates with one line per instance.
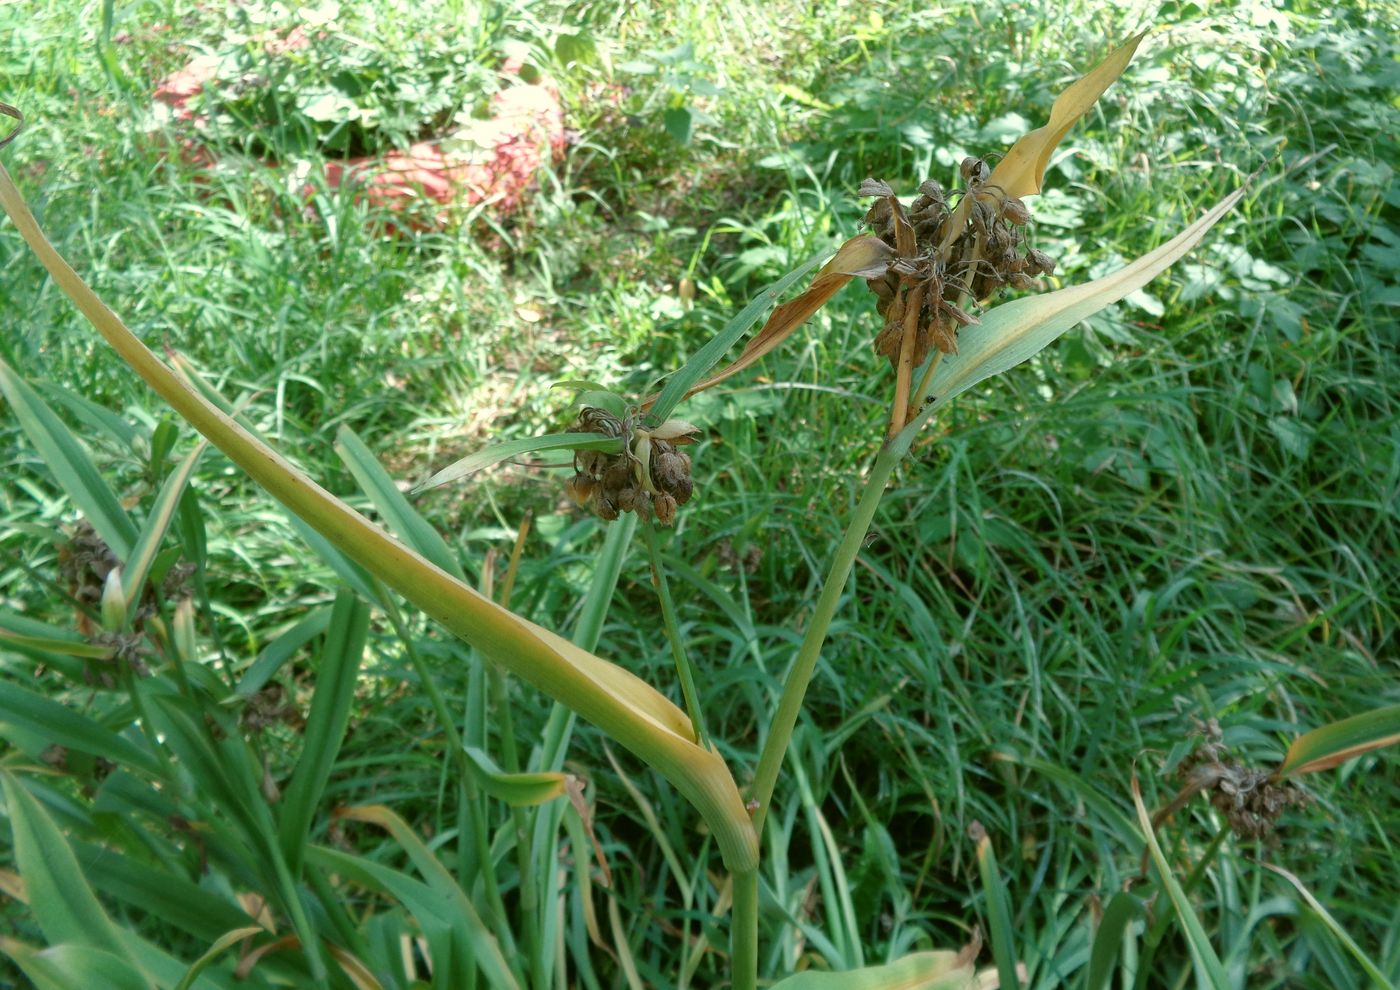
(220, 946)
(463, 915)
(71, 966)
(60, 899)
(1017, 330)
(998, 911)
(1123, 908)
(70, 464)
(496, 453)
(1022, 171)
(57, 723)
(1332, 745)
(147, 545)
(337, 675)
(402, 519)
(1209, 970)
(1378, 979)
(861, 256)
(519, 790)
(920, 971)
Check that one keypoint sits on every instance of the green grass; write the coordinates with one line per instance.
(1188, 507)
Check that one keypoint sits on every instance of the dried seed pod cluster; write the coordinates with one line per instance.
(1251, 800)
(944, 257)
(651, 476)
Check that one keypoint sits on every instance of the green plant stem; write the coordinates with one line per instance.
(673, 633)
(804, 665)
(743, 931)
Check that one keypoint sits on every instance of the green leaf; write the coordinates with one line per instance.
(495, 454)
(401, 517)
(920, 971)
(147, 545)
(60, 899)
(1378, 979)
(679, 123)
(57, 723)
(1017, 330)
(463, 915)
(998, 911)
(70, 464)
(222, 945)
(519, 790)
(1123, 908)
(282, 649)
(1332, 745)
(336, 678)
(1209, 970)
(69, 966)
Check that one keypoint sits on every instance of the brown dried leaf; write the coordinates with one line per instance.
(860, 257)
(1021, 172)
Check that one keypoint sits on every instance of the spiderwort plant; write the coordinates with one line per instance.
(933, 265)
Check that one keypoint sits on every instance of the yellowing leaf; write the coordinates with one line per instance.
(1021, 172)
(1332, 745)
(864, 256)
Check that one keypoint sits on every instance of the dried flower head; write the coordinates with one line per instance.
(650, 476)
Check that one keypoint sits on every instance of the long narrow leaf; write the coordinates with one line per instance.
(998, 912)
(70, 464)
(496, 453)
(519, 790)
(336, 678)
(60, 899)
(920, 971)
(1332, 745)
(403, 520)
(463, 915)
(1207, 963)
(143, 551)
(1017, 330)
(683, 382)
(57, 723)
(70, 966)
(1378, 979)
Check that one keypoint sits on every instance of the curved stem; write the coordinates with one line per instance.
(684, 670)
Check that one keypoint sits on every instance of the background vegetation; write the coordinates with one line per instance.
(1188, 508)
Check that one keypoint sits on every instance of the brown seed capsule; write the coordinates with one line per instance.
(605, 507)
(618, 475)
(682, 490)
(974, 171)
(581, 488)
(665, 506)
(1039, 263)
(1015, 211)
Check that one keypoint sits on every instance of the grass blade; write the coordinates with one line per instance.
(64, 967)
(1332, 925)
(680, 384)
(147, 544)
(401, 517)
(1203, 956)
(998, 911)
(337, 676)
(1123, 908)
(70, 464)
(519, 790)
(58, 723)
